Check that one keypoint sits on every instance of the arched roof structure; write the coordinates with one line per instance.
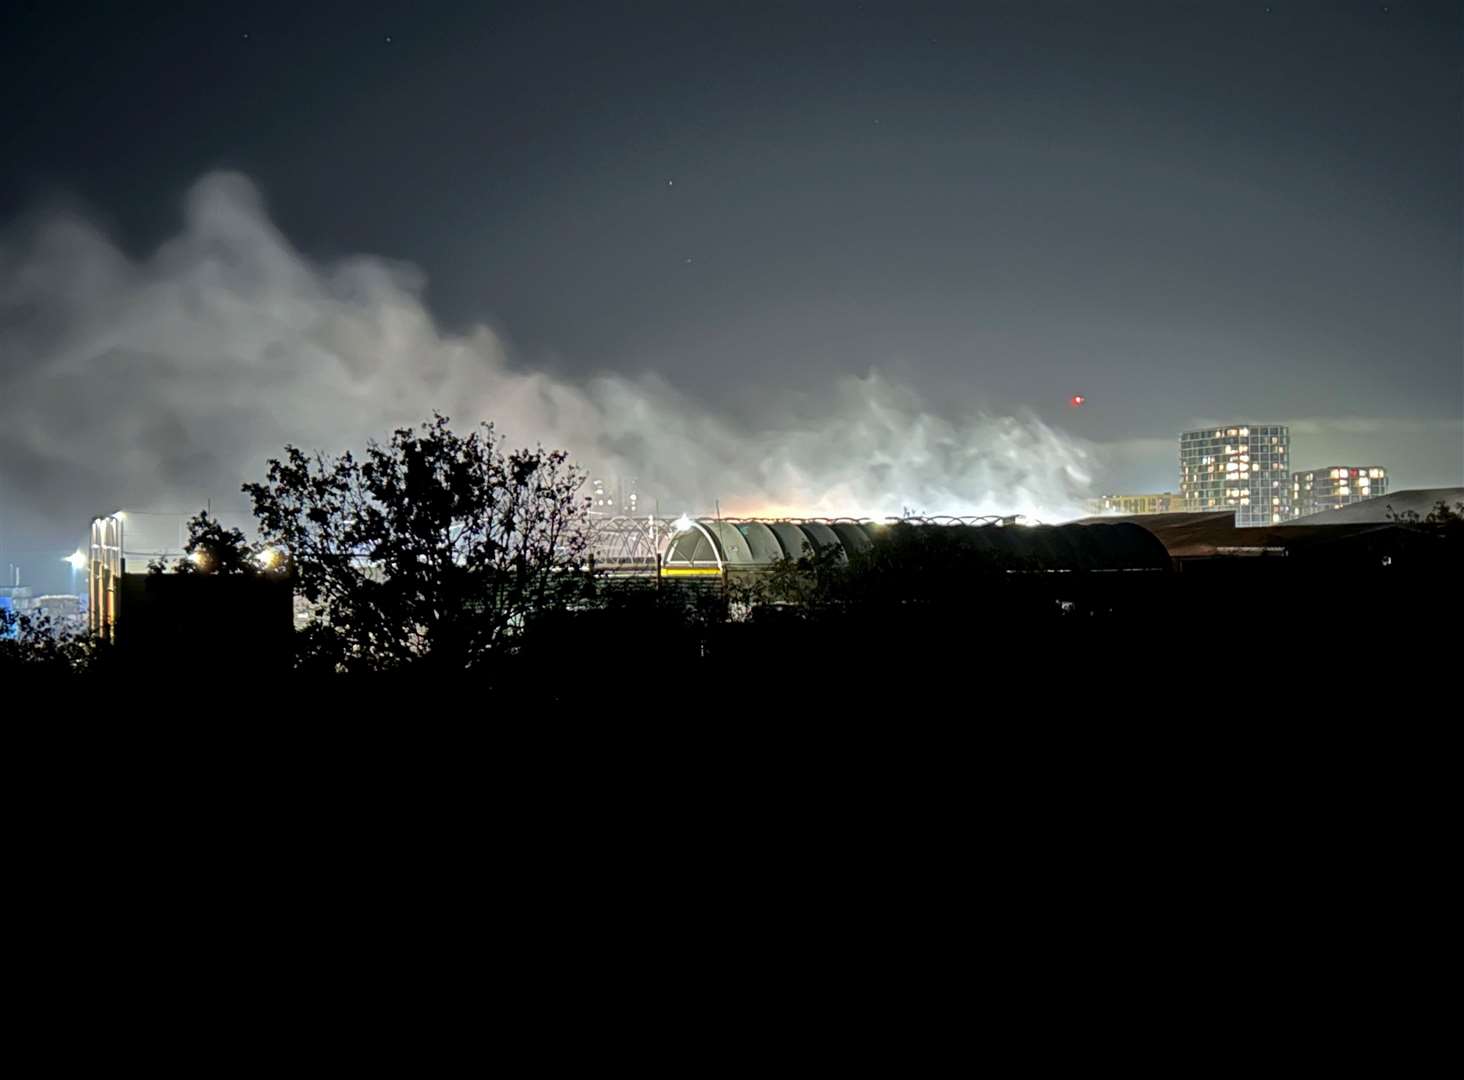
(706, 544)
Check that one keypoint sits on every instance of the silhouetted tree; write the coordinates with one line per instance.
(1438, 536)
(213, 549)
(1442, 518)
(435, 547)
(34, 643)
(812, 582)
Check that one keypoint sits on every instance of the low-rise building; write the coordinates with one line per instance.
(217, 620)
(1165, 502)
(1336, 486)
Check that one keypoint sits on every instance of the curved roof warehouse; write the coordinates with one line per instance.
(707, 546)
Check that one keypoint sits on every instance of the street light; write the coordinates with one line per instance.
(77, 561)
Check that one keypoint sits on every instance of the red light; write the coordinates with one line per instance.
(1076, 400)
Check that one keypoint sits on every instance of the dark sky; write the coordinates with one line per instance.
(1186, 211)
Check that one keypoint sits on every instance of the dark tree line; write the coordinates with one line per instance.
(432, 550)
(35, 644)
(1442, 520)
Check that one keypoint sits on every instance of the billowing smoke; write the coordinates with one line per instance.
(157, 383)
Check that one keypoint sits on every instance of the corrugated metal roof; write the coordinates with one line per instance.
(1101, 545)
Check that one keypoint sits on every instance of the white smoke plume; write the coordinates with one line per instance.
(159, 382)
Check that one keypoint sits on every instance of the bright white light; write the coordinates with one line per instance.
(267, 558)
(197, 558)
(683, 523)
(76, 559)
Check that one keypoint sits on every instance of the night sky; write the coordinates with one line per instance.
(757, 216)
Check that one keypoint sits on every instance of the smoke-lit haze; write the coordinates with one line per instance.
(164, 381)
(819, 256)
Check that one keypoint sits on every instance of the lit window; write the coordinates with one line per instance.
(1245, 431)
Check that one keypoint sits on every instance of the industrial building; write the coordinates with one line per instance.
(125, 543)
(615, 495)
(1335, 577)
(712, 547)
(218, 619)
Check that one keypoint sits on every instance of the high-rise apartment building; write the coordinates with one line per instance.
(1336, 486)
(1240, 467)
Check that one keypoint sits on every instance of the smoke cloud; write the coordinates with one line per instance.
(159, 382)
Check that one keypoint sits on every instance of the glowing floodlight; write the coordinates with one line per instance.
(683, 523)
(76, 559)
